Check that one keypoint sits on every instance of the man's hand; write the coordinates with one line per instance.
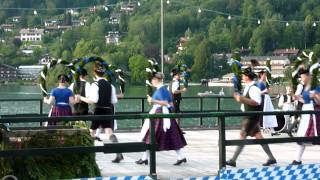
(184, 90)
(237, 97)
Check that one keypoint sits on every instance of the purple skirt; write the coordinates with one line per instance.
(59, 111)
(173, 139)
(314, 126)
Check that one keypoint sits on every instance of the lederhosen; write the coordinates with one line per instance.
(81, 108)
(176, 98)
(250, 124)
(104, 105)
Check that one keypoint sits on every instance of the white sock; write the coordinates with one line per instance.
(272, 130)
(98, 131)
(301, 150)
(145, 155)
(180, 154)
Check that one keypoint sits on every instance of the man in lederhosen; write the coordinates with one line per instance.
(103, 95)
(251, 101)
(175, 90)
(82, 108)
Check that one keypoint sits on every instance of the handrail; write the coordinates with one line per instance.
(139, 147)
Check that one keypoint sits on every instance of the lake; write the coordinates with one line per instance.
(124, 105)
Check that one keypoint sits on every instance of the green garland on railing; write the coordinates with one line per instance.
(45, 70)
(185, 72)
(152, 68)
(112, 72)
(268, 71)
(63, 166)
(306, 60)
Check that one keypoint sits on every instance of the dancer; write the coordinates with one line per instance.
(286, 103)
(103, 95)
(61, 98)
(304, 80)
(268, 122)
(82, 108)
(251, 101)
(310, 123)
(174, 88)
(167, 132)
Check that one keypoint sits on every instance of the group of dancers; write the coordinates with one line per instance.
(102, 94)
(255, 98)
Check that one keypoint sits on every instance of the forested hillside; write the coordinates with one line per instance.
(211, 26)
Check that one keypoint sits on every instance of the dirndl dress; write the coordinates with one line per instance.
(310, 123)
(269, 121)
(172, 139)
(57, 111)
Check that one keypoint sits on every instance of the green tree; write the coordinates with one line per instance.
(202, 58)
(137, 66)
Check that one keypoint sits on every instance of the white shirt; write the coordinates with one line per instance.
(174, 86)
(285, 105)
(254, 93)
(299, 89)
(87, 87)
(93, 94)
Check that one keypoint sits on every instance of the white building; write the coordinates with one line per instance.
(112, 38)
(46, 59)
(278, 63)
(30, 72)
(16, 19)
(31, 34)
(7, 27)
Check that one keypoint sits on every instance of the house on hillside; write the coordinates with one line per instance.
(114, 18)
(113, 37)
(16, 19)
(8, 73)
(181, 42)
(46, 59)
(128, 8)
(292, 52)
(29, 72)
(278, 63)
(31, 34)
(7, 27)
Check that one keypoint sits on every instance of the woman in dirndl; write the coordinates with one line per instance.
(309, 125)
(61, 97)
(168, 134)
(268, 122)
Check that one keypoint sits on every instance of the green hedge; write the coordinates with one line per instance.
(64, 166)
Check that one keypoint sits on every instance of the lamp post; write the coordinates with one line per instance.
(162, 55)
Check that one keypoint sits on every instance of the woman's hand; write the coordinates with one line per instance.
(149, 99)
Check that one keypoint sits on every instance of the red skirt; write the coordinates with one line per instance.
(59, 111)
(314, 128)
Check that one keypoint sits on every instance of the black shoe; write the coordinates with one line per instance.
(275, 134)
(97, 138)
(270, 162)
(140, 161)
(294, 162)
(231, 163)
(118, 159)
(179, 162)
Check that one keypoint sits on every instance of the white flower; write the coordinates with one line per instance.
(151, 62)
(149, 70)
(118, 70)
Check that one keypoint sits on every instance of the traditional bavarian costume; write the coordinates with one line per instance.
(61, 106)
(271, 120)
(251, 124)
(104, 96)
(168, 134)
(173, 87)
(81, 108)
